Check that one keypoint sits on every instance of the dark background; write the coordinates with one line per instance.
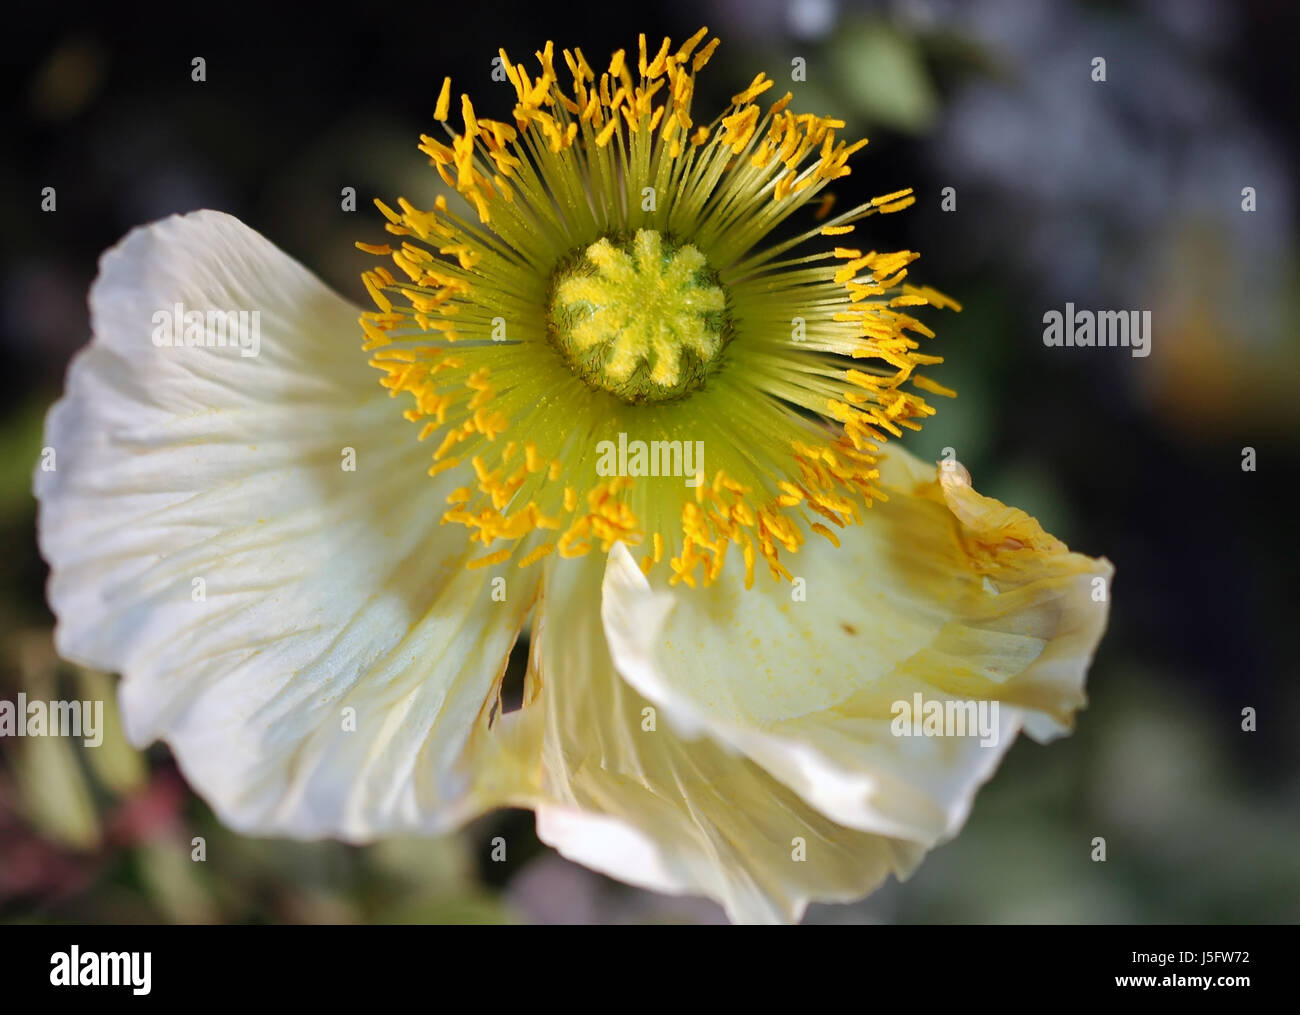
(1123, 194)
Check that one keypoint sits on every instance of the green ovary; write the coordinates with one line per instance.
(644, 320)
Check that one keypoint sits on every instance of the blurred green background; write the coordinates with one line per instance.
(1122, 194)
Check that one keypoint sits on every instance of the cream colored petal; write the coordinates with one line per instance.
(652, 808)
(940, 592)
(305, 637)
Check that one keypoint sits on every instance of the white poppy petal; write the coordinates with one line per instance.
(655, 809)
(197, 469)
(939, 592)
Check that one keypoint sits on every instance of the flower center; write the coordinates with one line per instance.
(645, 320)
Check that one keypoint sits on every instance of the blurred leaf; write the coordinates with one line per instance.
(117, 765)
(20, 449)
(471, 909)
(435, 864)
(54, 793)
(883, 75)
(53, 790)
(173, 881)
